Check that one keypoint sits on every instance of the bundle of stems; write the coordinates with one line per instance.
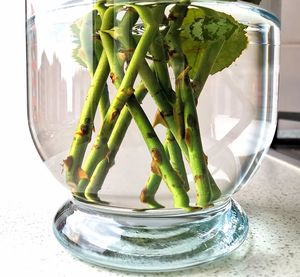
(110, 49)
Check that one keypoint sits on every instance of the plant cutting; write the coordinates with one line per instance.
(195, 43)
(158, 112)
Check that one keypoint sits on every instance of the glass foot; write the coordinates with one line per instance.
(143, 242)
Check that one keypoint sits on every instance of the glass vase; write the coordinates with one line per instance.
(152, 114)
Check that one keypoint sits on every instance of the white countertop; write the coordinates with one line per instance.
(272, 202)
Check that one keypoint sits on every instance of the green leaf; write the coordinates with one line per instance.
(77, 51)
(78, 56)
(231, 50)
(86, 39)
(211, 40)
(90, 40)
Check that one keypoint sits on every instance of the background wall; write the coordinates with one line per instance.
(290, 61)
(289, 93)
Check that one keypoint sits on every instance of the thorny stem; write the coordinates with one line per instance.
(98, 175)
(118, 134)
(183, 133)
(187, 109)
(160, 163)
(92, 186)
(92, 52)
(100, 148)
(174, 151)
(152, 84)
(96, 181)
(86, 123)
(176, 159)
(202, 72)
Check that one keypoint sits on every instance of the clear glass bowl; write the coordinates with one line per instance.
(153, 114)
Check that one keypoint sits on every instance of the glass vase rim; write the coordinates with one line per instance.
(65, 4)
(111, 2)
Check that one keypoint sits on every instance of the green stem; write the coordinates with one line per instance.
(86, 122)
(175, 155)
(152, 185)
(154, 180)
(91, 24)
(176, 159)
(98, 174)
(165, 108)
(100, 148)
(104, 102)
(183, 134)
(190, 118)
(203, 70)
(96, 181)
(119, 131)
(148, 76)
(160, 161)
(92, 52)
(149, 191)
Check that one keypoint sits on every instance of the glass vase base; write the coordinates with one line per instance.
(150, 243)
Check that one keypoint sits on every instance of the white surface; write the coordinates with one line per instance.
(30, 196)
(271, 249)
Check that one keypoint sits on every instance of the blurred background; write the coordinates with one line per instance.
(287, 138)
